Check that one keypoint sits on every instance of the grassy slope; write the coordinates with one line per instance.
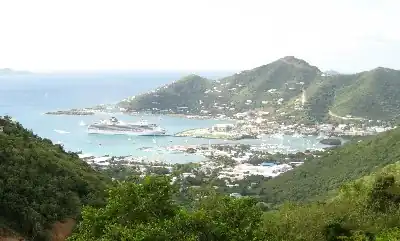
(336, 167)
(373, 94)
(185, 92)
(40, 183)
(281, 75)
(284, 75)
(321, 95)
(350, 207)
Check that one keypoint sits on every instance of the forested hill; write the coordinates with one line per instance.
(283, 78)
(40, 183)
(184, 93)
(318, 176)
(279, 87)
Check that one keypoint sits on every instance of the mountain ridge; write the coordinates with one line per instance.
(278, 87)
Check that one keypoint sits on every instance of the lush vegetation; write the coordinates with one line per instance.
(284, 78)
(365, 209)
(145, 210)
(178, 97)
(230, 94)
(318, 176)
(372, 94)
(353, 193)
(40, 183)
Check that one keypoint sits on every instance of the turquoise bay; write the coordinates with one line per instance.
(27, 97)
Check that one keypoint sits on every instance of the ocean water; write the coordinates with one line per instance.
(27, 97)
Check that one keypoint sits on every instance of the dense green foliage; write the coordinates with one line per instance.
(231, 93)
(366, 209)
(372, 94)
(146, 211)
(353, 193)
(40, 183)
(288, 76)
(318, 176)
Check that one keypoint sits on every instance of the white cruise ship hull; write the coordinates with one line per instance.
(129, 133)
(116, 127)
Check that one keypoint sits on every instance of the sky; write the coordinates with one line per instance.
(73, 35)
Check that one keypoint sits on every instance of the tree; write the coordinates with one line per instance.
(41, 184)
(385, 193)
(146, 211)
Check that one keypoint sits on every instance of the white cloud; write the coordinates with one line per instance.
(196, 34)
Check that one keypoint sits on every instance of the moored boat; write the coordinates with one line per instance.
(113, 126)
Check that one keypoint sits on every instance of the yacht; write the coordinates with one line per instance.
(113, 126)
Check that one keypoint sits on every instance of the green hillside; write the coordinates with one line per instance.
(320, 95)
(373, 94)
(367, 209)
(180, 95)
(334, 168)
(40, 183)
(285, 79)
(279, 85)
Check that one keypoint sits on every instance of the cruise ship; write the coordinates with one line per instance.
(115, 127)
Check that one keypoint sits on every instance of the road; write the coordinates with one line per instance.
(343, 117)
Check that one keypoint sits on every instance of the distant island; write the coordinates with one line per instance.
(8, 71)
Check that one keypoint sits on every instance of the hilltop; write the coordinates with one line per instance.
(42, 187)
(183, 94)
(285, 88)
(282, 78)
(318, 176)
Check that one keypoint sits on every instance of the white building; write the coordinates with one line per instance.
(222, 127)
(235, 195)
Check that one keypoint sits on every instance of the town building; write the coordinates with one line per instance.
(222, 127)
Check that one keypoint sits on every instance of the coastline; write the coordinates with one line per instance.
(234, 161)
(114, 110)
(207, 134)
(76, 112)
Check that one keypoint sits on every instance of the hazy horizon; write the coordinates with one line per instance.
(196, 36)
